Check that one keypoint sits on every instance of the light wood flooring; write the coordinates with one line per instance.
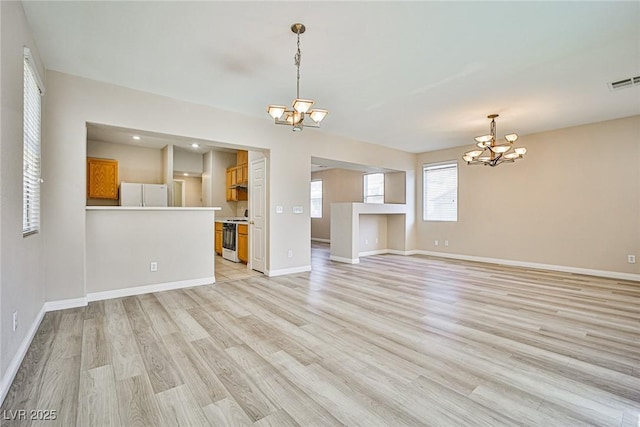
(393, 341)
(226, 270)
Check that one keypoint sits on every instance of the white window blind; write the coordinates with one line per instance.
(440, 192)
(374, 188)
(31, 148)
(316, 199)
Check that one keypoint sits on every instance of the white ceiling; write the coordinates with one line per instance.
(418, 76)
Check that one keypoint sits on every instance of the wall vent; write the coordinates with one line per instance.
(625, 83)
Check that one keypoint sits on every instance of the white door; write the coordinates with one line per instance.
(257, 211)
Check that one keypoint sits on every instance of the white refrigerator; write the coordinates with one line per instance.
(134, 194)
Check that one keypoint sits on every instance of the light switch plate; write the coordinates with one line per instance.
(279, 209)
(298, 210)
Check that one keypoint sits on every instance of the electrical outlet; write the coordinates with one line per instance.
(290, 253)
(15, 321)
(631, 259)
(154, 266)
(435, 242)
(366, 241)
(377, 241)
(446, 243)
(279, 209)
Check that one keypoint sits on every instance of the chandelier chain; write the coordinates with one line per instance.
(296, 60)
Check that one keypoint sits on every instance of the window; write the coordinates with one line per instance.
(316, 199)
(440, 192)
(31, 147)
(374, 188)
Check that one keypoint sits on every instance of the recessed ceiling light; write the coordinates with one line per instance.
(185, 174)
(195, 145)
(136, 137)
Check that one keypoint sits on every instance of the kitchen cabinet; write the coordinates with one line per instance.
(243, 238)
(218, 238)
(232, 192)
(242, 157)
(102, 178)
(236, 191)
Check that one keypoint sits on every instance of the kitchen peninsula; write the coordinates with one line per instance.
(134, 250)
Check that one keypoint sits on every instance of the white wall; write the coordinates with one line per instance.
(21, 259)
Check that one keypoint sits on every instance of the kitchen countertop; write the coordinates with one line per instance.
(233, 219)
(149, 208)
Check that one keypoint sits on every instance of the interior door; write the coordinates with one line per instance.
(257, 211)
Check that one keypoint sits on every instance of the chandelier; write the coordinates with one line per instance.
(493, 154)
(295, 116)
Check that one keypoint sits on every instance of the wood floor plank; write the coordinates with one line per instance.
(98, 402)
(195, 372)
(178, 407)
(248, 396)
(136, 402)
(158, 364)
(125, 356)
(395, 340)
(226, 412)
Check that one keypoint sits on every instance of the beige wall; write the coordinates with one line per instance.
(193, 191)
(135, 164)
(22, 280)
(214, 181)
(574, 201)
(186, 161)
(395, 190)
(122, 243)
(338, 185)
(74, 101)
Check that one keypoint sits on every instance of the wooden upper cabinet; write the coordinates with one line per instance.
(102, 178)
(243, 167)
(242, 157)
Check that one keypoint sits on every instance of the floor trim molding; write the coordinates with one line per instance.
(147, 289)
(345, 260)
(318, 239)
(536, 265)
(16, 361)
(64, 304)
(283, 271)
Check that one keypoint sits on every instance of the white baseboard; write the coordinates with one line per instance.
(283, 271)
(146, 289)
(535, 265)
(64, 304)
(317, 239)
(345, 260)
(374, 252)
(16, 361)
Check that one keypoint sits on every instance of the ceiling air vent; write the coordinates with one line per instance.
(621, 84)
